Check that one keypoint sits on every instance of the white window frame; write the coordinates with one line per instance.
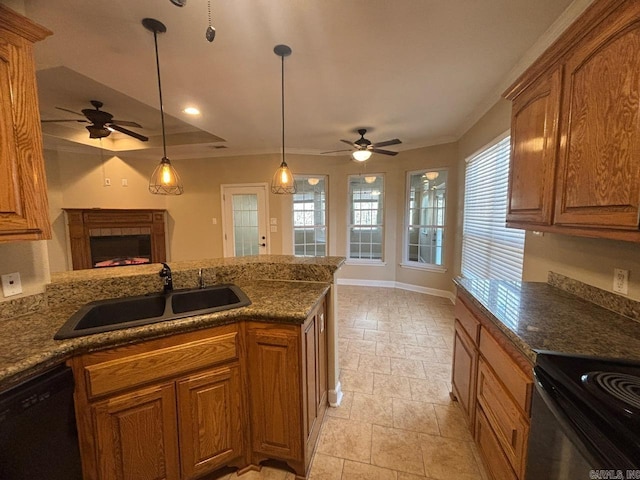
(325, 178)
(366, 261)
(406, 263)
(509, 248)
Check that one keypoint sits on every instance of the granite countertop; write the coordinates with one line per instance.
(538, 316)
(27, 345)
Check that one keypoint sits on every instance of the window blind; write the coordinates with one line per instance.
(489, 249)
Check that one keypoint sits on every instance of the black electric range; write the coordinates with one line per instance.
(594, 405)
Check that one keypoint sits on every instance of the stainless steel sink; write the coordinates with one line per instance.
(119, 313)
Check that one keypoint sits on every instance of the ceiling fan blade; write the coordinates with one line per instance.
(335, 151)
(383, 152)
(349, 143)
(128, 132)
(63, 120)
(395, 141)
(70, 111)
(125, 123)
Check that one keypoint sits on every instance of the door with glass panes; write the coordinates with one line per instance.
(244, 210)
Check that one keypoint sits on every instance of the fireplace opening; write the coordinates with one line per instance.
(115, 237)
(118, 250)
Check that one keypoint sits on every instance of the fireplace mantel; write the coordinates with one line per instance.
(85, 223)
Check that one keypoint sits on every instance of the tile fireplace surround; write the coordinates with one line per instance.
(138, 236)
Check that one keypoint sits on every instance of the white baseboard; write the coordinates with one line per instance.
(335, 396)
(402, 286)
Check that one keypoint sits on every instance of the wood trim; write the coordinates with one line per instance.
(590, 18)
(13, 22)
(82, 221)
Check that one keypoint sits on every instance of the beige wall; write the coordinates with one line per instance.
(77, 181)
(588, 260)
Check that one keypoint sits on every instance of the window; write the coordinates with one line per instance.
(425, 219)
(309, 217)
(366, 229)
(489, 249)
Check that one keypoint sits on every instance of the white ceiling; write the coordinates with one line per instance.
(418, 70)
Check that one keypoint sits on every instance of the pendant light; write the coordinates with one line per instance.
(283, 182)
(164, 179)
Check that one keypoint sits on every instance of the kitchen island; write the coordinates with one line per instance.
(185, 397)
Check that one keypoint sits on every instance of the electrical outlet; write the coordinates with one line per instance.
(125, 182)
(621, 281)
(11, 284)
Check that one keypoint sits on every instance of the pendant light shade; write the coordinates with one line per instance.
(164, 179)
(283, 182)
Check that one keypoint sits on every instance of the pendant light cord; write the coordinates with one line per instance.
(282, 77)
(164, 142)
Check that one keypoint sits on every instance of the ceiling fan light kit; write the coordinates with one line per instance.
(364, 148)
(283, 182)
(361, 155)
(164, 179)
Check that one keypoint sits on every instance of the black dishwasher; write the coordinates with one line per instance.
(38, 435)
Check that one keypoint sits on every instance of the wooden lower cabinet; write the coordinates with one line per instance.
(287, 366)
(181, 407)
(136, 435)
(209, 420)
(274, 376)
(493, 383)
(464, 373)
(492, 454)
(172, 408)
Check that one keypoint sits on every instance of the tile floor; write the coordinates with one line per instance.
(396, 420)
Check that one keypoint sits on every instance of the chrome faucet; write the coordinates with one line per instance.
(165, 274)
(200, 279)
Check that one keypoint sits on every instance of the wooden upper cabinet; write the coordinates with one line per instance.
(575, 166)
(24, 211)
(599, 175)
(534, 147)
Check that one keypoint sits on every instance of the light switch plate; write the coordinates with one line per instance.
(11, 284)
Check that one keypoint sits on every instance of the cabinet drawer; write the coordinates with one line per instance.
(509, 426)
(517, 383)
(493, 456)
(113, 375)
(470, 324)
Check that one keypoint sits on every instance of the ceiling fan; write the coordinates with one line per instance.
(101, 122)
(364, 148)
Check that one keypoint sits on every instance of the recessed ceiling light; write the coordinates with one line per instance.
(191, 111)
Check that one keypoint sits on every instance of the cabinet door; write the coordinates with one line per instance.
(534, 147)
(599, 174)
(463, 376)
(275, 400)
(494, 458)
(136, 435)
(311, 374)
(23, 189)
(210, 427)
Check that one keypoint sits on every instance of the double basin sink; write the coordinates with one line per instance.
(118, 313)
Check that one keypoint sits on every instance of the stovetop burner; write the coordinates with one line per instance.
(617, 390)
